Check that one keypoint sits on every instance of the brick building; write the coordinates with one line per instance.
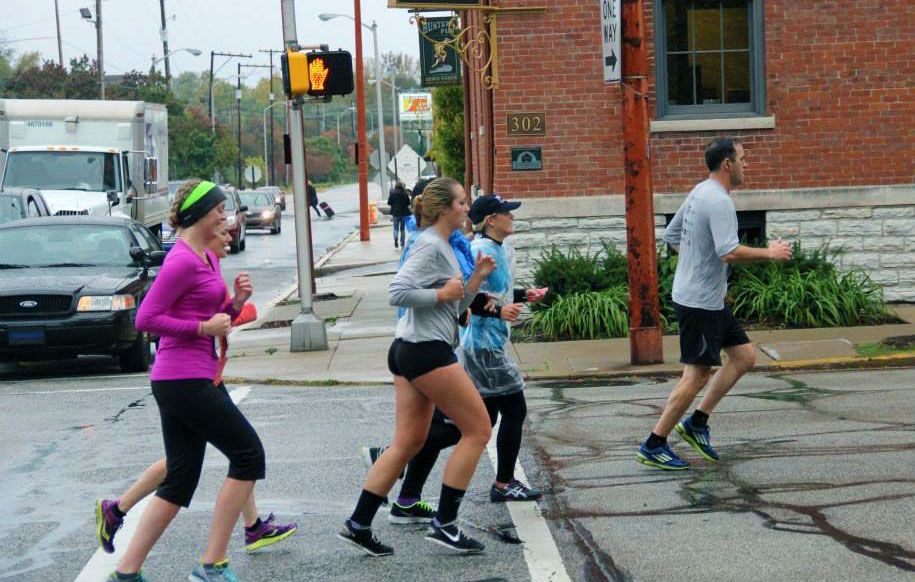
(821, 93)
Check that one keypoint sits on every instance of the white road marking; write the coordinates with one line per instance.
(101, 565)
(79, 390)
(540, 552)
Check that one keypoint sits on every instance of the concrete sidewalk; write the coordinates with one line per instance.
(353, 300)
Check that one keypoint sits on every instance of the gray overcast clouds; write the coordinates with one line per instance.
(131, 30)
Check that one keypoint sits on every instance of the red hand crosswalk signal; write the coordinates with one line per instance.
(330, 73)
(317, 74)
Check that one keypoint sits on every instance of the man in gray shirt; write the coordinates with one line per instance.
(704, 233)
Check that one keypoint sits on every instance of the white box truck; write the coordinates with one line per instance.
(89, 157)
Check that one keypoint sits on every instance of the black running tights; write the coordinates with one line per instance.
(513, 409)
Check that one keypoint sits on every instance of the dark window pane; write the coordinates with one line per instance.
(736, 24)
(708, 78)
(679, 80)
(706, 30)
(677, 21)
(737, 77)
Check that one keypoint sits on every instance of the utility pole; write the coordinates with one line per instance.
(60, 46)
(307, 331)
(101, 52)
(164, 34)
(270, 152)
(363, 149)
(645, 345)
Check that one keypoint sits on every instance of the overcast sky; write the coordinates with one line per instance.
(131, 30)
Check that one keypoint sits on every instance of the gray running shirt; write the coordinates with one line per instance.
(428, 267)
(705, 228)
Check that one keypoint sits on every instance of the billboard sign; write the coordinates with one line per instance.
(415, 106)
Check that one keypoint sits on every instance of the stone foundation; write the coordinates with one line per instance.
(873, 227)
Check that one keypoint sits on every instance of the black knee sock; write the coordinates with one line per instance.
(448, 504)
(366, 508)
(654, 441)
(699, 419)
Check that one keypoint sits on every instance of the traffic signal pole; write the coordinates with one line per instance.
(307, 331)
(645, 346)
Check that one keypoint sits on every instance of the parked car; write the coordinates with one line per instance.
(71, 285)
(263, 211)
(19, 203)
(235, 219)
(279, 197)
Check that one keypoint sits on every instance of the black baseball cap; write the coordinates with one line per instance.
(490, 204)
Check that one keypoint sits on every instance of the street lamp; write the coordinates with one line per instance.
(394, 113)
(158, 60)
(348, 109)
(382, 153)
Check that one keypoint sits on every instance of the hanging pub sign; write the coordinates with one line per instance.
(433, 4)
(439, 63)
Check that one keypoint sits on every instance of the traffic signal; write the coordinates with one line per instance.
(330, 73)
(294, 66)
(317, 74)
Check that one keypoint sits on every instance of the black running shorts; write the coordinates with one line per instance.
(412, 360)
(704, 333)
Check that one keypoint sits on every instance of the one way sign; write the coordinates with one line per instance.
(610, 34)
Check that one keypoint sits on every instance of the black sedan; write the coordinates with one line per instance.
(71, 286)
(262, 212)
(19, 203)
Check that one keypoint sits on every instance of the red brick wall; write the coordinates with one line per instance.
(840, 83)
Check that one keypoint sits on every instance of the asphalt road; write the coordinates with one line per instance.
(816, 482)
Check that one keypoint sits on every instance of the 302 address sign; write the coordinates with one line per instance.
(526, 123)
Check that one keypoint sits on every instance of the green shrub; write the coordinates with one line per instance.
(568, 273)
(587, 315)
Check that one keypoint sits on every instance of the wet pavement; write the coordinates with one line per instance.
(817, 480)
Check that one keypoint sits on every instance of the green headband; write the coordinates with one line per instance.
(196, 194)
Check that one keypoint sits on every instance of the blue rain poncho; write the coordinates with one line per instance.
(484, 342)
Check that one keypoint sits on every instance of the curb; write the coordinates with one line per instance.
(817, 365)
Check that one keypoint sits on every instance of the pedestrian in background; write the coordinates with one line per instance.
(704, 233)
(427, 374)
(312, 194)
(399, 202)
(186, 307)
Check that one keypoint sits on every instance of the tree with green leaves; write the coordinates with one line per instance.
(448, 130)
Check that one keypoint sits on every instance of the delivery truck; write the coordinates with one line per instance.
(95, 158)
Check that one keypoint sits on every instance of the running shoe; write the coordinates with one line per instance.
(661, 457)
(138, 577)
(218, 572)
(268, 533)
(372, 454)
(699, 438)
(107, 523)
(452, 537)
(364, 540)
(419, 512)
(515, 491)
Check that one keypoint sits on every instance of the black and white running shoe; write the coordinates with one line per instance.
(516, 491)
(364, 540)
(451, 536)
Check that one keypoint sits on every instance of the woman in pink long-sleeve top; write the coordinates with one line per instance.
(186, 307)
